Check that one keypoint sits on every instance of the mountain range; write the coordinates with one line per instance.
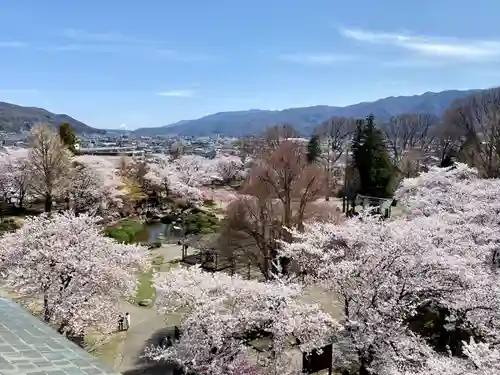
(17, 118)
(304, 119)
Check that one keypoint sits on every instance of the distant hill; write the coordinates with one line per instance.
(305, 119)
(15, 118)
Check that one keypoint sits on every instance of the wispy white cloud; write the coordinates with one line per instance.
(76, 40)
(419, 62)
(431, 46)
(97, 48)
(181, 93)
(19, 91)
(142, 51)
(12, 44)
(70, 48)
(182, 56)
(103, 37)
(316, 58)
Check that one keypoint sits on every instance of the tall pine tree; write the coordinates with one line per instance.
(371, 160)
(313, 149)
(67, 135)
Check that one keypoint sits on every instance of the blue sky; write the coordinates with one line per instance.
(151, 63)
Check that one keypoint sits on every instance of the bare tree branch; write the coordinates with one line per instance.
(49, 161)
(335, 132)
(477, 120)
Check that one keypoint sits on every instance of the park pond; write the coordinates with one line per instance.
(156, 232)
(134, 231)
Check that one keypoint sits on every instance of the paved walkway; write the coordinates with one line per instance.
(148, 327)
(172, 252)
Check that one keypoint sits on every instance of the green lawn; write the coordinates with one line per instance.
(110, 351)
(125, 230)
(158, 260)
(145, 281)
(145, 292)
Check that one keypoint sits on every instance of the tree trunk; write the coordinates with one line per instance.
(48, 203)
(366, 359)
(266, 267)
(21, 199)
(46, 309)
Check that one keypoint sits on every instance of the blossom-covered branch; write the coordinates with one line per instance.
(65, 260)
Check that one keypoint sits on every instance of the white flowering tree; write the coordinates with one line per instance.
(20, 176)
(79, 274)
(184, 176)
(223, 311)
(86, 191)
(168, 178)
(479, 359)
(195, 171)
(229, 168)
(434, 265)
(106, 169)
(5, 180)
(191, 176)
(15, 174)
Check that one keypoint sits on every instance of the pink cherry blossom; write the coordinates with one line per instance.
(382, 271)
(222, 308)
(65, 260)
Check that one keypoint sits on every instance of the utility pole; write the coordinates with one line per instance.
(345, 203)
(328, 167)
(183, 239)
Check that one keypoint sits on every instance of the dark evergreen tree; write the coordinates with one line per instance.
(313, 149)
(67, 135)
(371, 159)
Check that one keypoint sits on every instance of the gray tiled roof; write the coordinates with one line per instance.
(28, 346)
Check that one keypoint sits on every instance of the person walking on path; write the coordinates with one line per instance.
(120, 322)
(127, 321)
(177, 333)
(167, 342)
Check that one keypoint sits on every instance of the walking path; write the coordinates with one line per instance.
(172, 252)
(147, 326)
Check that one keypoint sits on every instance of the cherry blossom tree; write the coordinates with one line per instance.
(184, 176)
(479, 359)
(106, 169)
(229, 168)
(15, 174)
(5, 180)
(20, 177)
(222, 312)
(86, 189)
(169, 177)
(391, 274)
(79, 274)
(195, 171)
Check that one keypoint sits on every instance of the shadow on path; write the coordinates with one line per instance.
(147, 366)
(156, 368)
